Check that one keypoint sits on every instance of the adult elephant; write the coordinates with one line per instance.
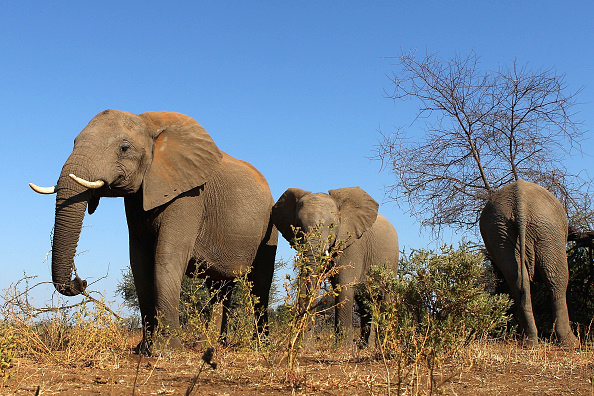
(524, 228)
(189, 206)
(367, 238)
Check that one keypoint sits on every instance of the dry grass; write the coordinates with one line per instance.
(486, 368)
(87, 333)
(86, 350)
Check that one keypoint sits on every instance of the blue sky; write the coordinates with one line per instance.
(295, 88)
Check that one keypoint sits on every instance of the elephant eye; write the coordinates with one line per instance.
(124, 147)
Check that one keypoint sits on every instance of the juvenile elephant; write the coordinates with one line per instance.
(368, 236)
(524, 228)
(188, 206)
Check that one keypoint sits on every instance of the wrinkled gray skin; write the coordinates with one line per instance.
(369, 239)
(188, 206)
(524, 228)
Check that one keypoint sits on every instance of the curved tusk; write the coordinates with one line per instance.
(43, 190)
(86, 183)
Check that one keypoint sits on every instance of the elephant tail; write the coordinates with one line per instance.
(522, 222)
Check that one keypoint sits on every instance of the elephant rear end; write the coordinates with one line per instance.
(524, 228)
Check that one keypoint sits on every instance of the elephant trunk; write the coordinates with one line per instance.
(71, 202)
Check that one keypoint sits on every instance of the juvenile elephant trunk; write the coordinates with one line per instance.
(71, 202)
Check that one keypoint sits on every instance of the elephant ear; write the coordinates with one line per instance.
(283, 212)
(357, 211)
(184, 157)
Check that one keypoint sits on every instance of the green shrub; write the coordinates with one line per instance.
(580, 290)
(7, 349)
(434, 306)
(197, 305)
(243, 316)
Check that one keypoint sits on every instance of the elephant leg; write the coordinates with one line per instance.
(562, 325)
(142, 261)
(343, 321)
(142, 270)
(172, 254)
(171, 259)
(366, 318)
(525, 306)
(261, 277)
(518, 281)
(220, 306)
(556, 277)
(177, 227)
(168, 280)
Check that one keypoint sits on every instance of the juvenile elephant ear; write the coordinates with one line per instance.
(358, 212)
(184, 157)
(283, 211)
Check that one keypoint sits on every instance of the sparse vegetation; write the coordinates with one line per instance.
(7, 349)
(431, 311)
(307, 292)
(86, 333)
(432, 326)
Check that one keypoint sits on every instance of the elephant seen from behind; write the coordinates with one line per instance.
(348, 216)
(190, 208)
(524, 228)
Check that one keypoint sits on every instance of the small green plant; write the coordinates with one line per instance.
(431, 309)
(580, 290)
(202, 306)
(198, 307)
(243, 316)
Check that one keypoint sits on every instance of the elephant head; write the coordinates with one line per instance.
(157, 154)
(350, 210)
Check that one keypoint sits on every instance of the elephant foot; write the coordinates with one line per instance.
(530, 341)
(143, 348)
(570, 341)
(160, 345)
(167, 342)
(223, 340)
(345, 339)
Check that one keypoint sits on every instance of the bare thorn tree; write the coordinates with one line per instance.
(482, 130)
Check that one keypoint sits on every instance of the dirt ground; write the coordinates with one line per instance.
(487, 369)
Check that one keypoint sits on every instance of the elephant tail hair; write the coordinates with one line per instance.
(522, 221)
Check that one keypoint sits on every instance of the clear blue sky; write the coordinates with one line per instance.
(294, 87)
